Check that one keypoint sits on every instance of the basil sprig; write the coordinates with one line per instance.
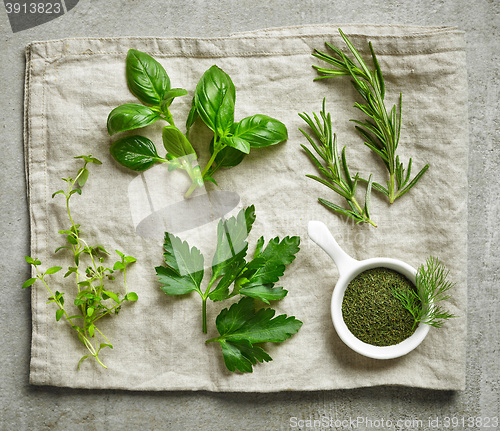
(213, 102)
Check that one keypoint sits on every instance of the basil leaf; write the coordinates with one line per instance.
(129, 117)
(146, 78)
(170, 95)
(214, 100)
(229, 157)
(175, 142)
(237, 143)
(225, 115)
(135, 152)
(192, 117)
(261, 131)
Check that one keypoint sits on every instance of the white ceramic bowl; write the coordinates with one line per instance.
(348, 269)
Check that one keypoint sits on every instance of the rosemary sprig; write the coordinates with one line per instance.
(381, 131)
(334, 168)
(431, 288)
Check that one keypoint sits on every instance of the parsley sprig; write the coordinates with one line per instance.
(381, 131)
(252, 279)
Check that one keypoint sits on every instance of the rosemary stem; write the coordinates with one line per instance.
(392, 196)
(362, 212)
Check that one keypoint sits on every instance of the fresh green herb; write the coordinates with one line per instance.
(213, 102)
(432, 288)
(371, 311)
(382, 130)
(334, 168)
(150, 83)
(241, 327)
(93, 299)
(183, 273)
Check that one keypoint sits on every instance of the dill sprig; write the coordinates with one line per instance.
(432, 288)
(381, 131)
(334, 168)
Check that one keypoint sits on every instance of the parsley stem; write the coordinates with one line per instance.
(204, 315)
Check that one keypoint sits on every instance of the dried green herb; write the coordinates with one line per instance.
(372, 312)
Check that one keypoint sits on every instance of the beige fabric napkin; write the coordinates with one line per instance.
(71, 86)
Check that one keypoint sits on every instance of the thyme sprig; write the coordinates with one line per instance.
(381, 131)
(92, 297)
(432, 288)
(334, 168)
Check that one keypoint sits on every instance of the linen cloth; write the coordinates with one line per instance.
(72, 85)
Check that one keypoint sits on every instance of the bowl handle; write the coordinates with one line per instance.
(320, 234)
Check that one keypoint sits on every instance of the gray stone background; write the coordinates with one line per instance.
(25, 407)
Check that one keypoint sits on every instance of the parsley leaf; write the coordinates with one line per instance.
(241, 326)
(231, 240)
(267, 267)
(229, 257)
(183, 272)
